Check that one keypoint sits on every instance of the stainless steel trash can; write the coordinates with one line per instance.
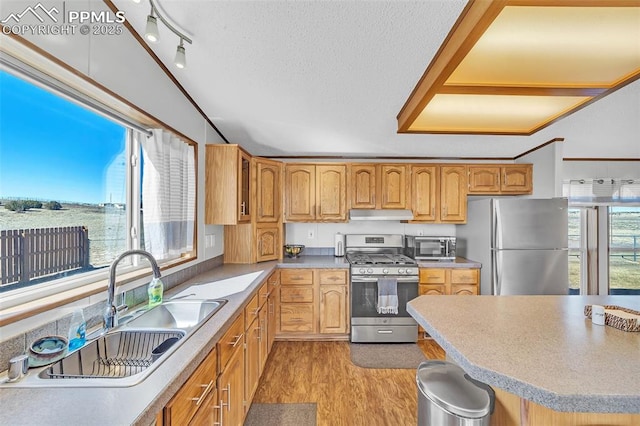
(447, 396)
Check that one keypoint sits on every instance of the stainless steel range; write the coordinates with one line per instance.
(373, 257)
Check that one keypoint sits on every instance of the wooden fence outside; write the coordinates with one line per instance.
(27, 254)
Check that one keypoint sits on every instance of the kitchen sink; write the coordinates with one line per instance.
(127, 354)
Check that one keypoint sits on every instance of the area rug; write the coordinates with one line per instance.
(281, 415)
(383, 355)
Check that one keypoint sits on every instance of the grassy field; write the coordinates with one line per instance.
(106, 225)
(624, 270)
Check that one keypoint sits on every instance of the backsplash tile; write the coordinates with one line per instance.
(10, 348)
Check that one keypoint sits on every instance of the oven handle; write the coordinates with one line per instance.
(401, 280)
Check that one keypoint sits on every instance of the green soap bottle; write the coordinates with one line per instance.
(155, 290)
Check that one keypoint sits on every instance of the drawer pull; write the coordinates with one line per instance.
(206, 390)
(238, 339)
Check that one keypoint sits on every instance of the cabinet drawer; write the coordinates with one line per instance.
(296, 294)
(332, 276)
(432, 276)
(296, 276)
(232, 340)
(193, 395)
(464, 276)
(263, 294)
(296, 317)
(251, 310)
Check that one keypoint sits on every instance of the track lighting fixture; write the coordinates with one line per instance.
(181, 59)
(151, 33)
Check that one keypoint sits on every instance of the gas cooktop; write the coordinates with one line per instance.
(379, 259)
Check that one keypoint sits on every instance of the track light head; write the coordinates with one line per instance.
(181, 58)
(151, 32)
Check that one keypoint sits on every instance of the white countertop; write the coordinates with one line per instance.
(541, 348)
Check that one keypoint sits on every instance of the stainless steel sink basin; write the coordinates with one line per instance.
(181, 314)
(127, 354)
(122, 353)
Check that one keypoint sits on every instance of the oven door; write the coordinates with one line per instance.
(364, 300)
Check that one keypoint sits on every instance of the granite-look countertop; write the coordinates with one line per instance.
(313, 261)
(139, 404)
(541, 348)
(459, 263)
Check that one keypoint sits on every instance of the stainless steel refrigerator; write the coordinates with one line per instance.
(521, 243)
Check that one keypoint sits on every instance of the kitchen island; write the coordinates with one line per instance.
(547, 362)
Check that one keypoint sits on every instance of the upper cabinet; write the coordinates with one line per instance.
(496, 179)
(228, 185)
(268, 189)
(362, 181)
(315, 192)
(438, 193)
(379, 186)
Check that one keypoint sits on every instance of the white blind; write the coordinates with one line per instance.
(602, 191)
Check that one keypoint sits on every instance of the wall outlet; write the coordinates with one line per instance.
(311, 234)
(210, 241)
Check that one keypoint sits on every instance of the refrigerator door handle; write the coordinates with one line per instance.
(497, 226)
(495, 273)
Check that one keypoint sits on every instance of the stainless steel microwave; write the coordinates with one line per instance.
(430, 248)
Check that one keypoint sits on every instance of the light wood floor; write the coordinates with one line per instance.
(322, 373)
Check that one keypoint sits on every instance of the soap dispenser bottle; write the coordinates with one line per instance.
(77, 330)
(154, 291)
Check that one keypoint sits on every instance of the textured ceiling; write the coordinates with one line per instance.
(315, 77)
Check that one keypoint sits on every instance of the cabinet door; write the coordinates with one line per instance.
(424, 192)
(453, 202)
(231, 390)
(267, 192)
(263, 320)
(208, 412)
(432, 289)
(300, 190)
(252, 359)
(484, 179)
(517, 178)
(244, 187)
(268, 243)
(394, 186)
(464, 289)
(272, 324)
(362, 178)
(333, 309)
(331, 193)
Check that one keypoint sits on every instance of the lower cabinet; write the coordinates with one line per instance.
(231, 378)
(196, 399)
(313, 303)
(448, 281)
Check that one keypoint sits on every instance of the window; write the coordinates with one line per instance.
(624, 250)
(72, 194)
(575, 251)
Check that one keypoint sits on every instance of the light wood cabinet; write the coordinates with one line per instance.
(228, 185)
(252, 359)
(231, 389)
(362, 181)
(394, 186)
(448, 281)
(439, 193)
(196, 398)
(313, 302)
(453, 194)
(315, 193)
(261, 239)
(273, 303)
(379, 186)
(425, 193)
(496, 179)
(268, 186)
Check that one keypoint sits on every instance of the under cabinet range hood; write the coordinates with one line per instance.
(371, 214)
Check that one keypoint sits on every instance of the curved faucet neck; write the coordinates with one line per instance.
(112, 271)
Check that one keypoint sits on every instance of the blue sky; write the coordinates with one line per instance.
(53, 149)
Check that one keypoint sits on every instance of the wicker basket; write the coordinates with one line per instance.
(618, 317)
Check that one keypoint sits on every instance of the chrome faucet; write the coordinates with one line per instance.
(111, 311)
